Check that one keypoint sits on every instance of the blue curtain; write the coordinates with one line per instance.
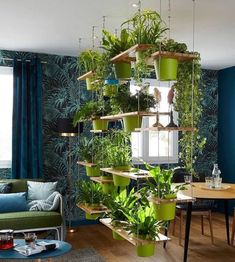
(27, 119)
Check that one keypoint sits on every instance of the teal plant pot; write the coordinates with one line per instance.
(122, 70)
(108, 188)
(116, 236)
(131, 123)
(145, 250)
(165, 211)
(92, 171)
(121, 181)
(100, 124)
(166, 68)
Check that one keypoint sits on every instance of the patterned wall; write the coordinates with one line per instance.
(62, 95)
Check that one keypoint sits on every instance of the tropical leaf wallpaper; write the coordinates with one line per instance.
(62, 96)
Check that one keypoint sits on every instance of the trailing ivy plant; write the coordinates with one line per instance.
(191, 144)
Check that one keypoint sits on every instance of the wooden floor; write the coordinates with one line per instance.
(200, 247)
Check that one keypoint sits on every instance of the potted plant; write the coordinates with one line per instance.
(88, 61)
(110, 87)
(166, 67)
(117, 154)
(91, 195)
(88, 151)
(93, 110)
(114, 46)
(162, 188)
(143, 225)
(117, 206)
(125, 102)
(147, 28)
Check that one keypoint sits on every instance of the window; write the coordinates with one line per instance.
(6, 106)
(151, 146)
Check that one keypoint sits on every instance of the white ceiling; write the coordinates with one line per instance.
(55, 26)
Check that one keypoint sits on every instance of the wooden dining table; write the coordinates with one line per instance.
(201, 191)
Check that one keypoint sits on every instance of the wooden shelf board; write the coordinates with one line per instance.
(127, 55)
(99, 131)
(83, 163)
(178, 56)
(183, 129)
(100, 180)
(92, 210)
(86, 75)
(136, 113)
(130, 238)
(142, 174)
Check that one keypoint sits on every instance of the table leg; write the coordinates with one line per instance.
(187, 230)
(226, 219)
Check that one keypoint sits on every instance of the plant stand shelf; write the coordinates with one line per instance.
(130, 238)
(183, 129)
(83, 163)
(141, 174)
(136, 113)
(178, 56)
(127, 56)
(101, 180)
(92, 210)
(86, 75)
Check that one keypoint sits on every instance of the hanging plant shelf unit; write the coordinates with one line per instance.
(129, 54)
(179, 56)
(101, 180)
(83, 163)
(140, 174)
(86, 75)
(130, 238)
(137, 113)
(93, 210)
(183, 129)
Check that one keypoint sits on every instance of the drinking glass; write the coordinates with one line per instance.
(208, 181)
(218, 182)
(6, 239)
(30, 239)
(188, 179)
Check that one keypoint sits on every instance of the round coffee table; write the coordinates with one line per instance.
(63, 248)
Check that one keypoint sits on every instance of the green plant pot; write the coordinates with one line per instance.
(121, 181)
(110, 90)
(116, 236)
(100, 124)
(138, 56)
(107, 177)
(108, 188)
(145, 250)
(166, 68)
(131, 123)
(92, 217)
(122, 168)
(165, 211)
(89, 85)
(122, 70)
(92, 171)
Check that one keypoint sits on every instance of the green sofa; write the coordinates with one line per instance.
(28, 221)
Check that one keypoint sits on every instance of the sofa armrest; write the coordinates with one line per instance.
(61, 206)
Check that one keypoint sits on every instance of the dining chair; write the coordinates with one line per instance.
(202, 208)
(233, 228)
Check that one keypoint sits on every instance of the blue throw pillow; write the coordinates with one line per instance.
(13, 202)
(5, 188)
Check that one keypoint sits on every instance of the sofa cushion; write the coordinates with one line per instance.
(13, 202)
(29, 219)
(40, 190)
(5, 188)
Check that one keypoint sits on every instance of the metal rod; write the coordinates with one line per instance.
(18, 59)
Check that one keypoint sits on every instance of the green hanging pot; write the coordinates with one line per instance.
(139, 55)
(92, 217)
(121, 181)
(116, 236)
(131, 123)
(145, 250)
(110, 90)
(89, 85)
(122, 70)
(165, 211)
(92, 171)
(108, 188)
(166, 68)
(100, 124)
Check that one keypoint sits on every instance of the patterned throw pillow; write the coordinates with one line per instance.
(5, 188)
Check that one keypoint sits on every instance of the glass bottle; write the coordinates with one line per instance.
(216, 171)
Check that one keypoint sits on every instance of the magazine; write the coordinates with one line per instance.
(41, 246)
